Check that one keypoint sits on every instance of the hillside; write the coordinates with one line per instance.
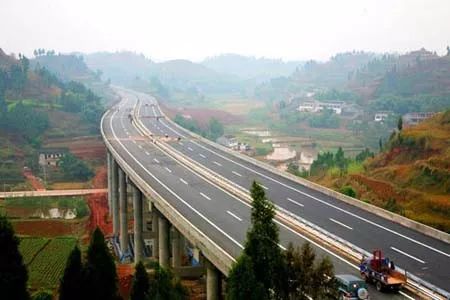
(251, 68)
(169, 77)
(38, 109)
(67, 67)
(410, 177)
(121, 67)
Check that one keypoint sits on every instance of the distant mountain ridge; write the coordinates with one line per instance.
(247, 67)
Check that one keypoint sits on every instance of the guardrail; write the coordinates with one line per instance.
(414, 283)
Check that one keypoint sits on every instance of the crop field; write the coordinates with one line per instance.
(46, 259)
(30, 247)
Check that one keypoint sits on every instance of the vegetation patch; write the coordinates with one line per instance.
(47, 267)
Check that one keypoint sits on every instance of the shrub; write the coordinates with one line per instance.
(349, 191)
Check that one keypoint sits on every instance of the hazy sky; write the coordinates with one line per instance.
(194, 29)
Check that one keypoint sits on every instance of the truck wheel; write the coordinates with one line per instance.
(379, 286)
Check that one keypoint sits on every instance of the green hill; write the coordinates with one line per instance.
(35, 107)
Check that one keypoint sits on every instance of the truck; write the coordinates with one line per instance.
(381, 272)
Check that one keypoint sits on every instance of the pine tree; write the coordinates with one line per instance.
(400, 124)
(262, 242)
(69, 288)
(242, 283)
(13, 272)
(324, 285)
(141, 283)
(163, 285)
(100, 277)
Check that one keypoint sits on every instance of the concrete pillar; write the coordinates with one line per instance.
(176, 248)
(115, 197)
(212, 282)
(138, 221)
(155, 232)
(163, 228)
(123, 212)
(109, 168)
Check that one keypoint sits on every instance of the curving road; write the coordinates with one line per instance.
(225, 218)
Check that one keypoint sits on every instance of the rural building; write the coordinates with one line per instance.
(381, 116)
(51, 156)
(317, 106)
(415, 118)
(228, 141)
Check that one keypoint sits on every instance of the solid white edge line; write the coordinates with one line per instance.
(408, 255)
(340, 223)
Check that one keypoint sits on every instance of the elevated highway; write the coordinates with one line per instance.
(215, 220)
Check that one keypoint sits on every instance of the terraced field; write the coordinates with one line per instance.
(46, 259)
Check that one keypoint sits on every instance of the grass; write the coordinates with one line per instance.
(30, 246)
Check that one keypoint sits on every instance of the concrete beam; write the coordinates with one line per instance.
(189, 272)
(163, 227)
(138, 222)
(212, 282)
(123, 212)
(155, 232)
(109, 168)
(176, 248)
(115, 196)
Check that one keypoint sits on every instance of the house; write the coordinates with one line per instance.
(228, 141)
(415, 118)
(317, 106)
(381, 116)
(51, 156)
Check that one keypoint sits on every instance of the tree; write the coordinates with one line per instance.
(242, 282)
(305, 278)
(400, 124)
(100, 277)
(75, 168)
(141, 283)
(215, 129)
(69, 288)
(163, 285)
(13, 272)
(262, 242)
(380, 144)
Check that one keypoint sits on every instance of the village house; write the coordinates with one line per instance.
(415, 118)
(51, 156)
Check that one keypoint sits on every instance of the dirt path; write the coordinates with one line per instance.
(98, 204)
(33, 180)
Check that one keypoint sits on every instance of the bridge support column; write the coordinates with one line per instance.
(123, 212)
(212, 282)
(155, 231)
(163, 228)
(109, 168)
(115, 196)
(176, 248)
(138, 224)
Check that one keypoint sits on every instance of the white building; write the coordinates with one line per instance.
(228, 141)
(316, 106)
(381, 116)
